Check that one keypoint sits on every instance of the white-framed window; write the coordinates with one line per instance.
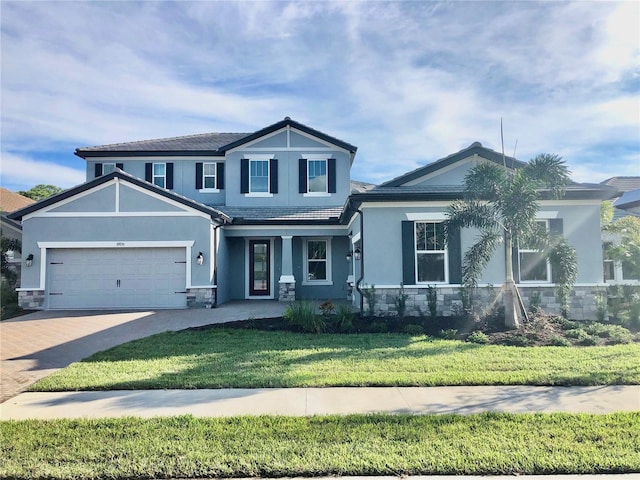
(317, 176)
(209, 176)
(108, 168)
(431, 253)
(534, 267)
(317, 261)
(259, 176)
(159, 175)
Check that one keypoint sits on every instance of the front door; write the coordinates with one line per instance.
(259, 268)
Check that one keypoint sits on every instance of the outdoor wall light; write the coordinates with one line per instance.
(200, 258)
(29, 260)
(357, 254)
(349, 255)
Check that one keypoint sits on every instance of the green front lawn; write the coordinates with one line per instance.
(181, 447)
(219, 358)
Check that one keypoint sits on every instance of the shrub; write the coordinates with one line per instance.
(577, 333)
(327, 308)
(559, 341)
(601, 305)
(379, 327)
(344, 318)
(432, 300)
(448, 334)
(303, 314)
(589, 341)
(535, 303)
(478, 337)
(413, 329)
(369, 293)
(401, 302)
(518, 340)
(617, 334)
(566, 324)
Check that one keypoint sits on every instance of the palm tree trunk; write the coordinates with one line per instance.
(512, 315)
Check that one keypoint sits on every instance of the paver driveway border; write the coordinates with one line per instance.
(35, 345)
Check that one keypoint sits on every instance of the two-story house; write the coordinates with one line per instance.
(198, 220)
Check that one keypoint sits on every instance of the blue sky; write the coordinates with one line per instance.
(407, 82)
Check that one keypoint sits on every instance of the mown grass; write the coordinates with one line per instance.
(178, 447)
(233, 358)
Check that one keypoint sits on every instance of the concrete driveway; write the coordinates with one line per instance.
(35, 345)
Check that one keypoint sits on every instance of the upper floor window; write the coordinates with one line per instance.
(259, 175)
(160, 174)
(534, 267)
(105, 168)
(431, 253)
(317, 175)
(209, 175)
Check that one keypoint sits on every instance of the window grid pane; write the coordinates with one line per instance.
(259, 173)
(317, 260)
(430, 252)
(317, 176)
(108, 168)
(533, 267)
(209, 175)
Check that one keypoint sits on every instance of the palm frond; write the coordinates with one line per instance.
(484, 181)
(471, 213)
(478, 256)
(549, 171)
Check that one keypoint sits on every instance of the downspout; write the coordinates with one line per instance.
(215, 265)
(361, 260)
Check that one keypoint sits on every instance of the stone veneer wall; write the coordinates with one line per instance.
(200, 297)
(31, 299)
(287, 292)
(582, 303)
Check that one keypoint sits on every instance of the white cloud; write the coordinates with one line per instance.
(21, 173)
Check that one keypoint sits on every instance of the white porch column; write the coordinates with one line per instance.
(287, 282)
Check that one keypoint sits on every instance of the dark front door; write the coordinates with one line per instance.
(259, 268)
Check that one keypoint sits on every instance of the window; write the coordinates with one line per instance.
(431, 253)
(318, 261)
(159, 175)
(317, 176)
(209, 175)
(259, 176)
(108, 168)
(534, 267)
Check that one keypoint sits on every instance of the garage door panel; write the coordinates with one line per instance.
(116, 278)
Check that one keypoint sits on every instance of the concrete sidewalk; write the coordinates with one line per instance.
(322, 401)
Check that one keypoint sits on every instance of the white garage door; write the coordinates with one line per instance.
(116, 278)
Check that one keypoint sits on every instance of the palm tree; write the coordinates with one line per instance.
(502, 204)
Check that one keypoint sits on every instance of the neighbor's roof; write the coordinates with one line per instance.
(624, 184)
(12, 201)
(209, 144)
(628, 199)
(474, 148)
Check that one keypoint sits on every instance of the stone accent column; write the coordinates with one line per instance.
(287, 282)
(31, 299)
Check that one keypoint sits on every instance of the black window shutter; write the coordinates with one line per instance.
(244, 175)
(273, 175)
(302, 175)
(408, 254)
(219, 175)
(198, 175)
(98, 170)
(169, 172)
(148, 172)
(120, 166)
(555, 228)
(331, 175)
(454, 249)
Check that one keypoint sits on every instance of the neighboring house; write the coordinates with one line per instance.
(626, 204)
(10, 202)
(204, 219)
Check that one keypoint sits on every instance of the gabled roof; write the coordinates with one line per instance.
(624, 184)
(287, 122)
(628, 199)
(474, 148)
(117, 173)
(205, 144)
(10, 223)
(12, 201)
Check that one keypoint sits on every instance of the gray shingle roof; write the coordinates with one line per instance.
(624, 184)
(189, 143)
(281, 214)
